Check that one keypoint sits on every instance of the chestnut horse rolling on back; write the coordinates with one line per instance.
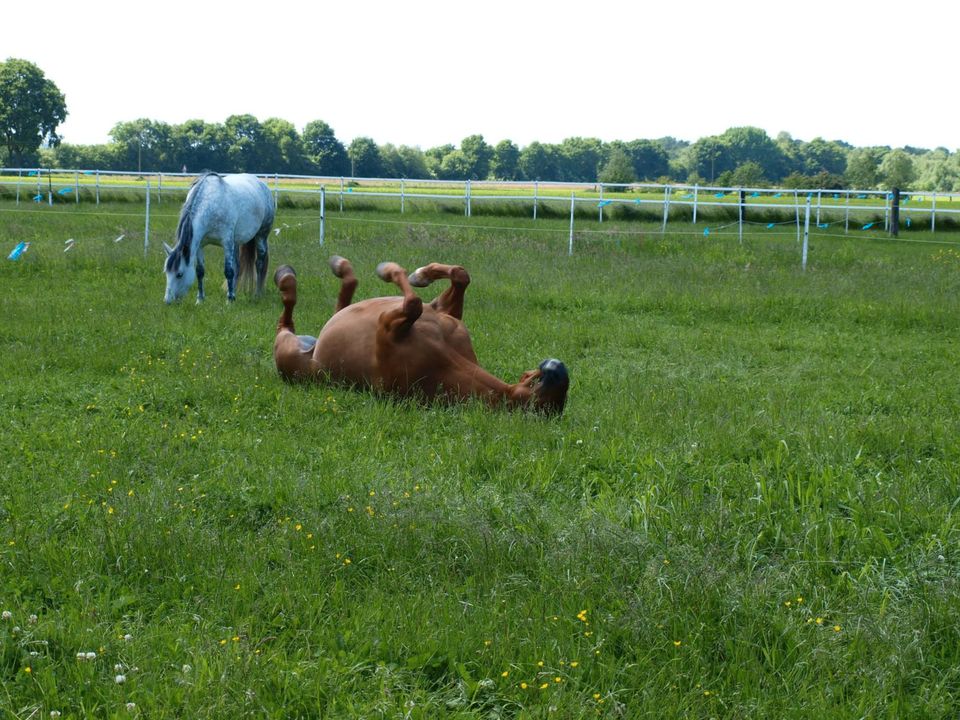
(402, 346)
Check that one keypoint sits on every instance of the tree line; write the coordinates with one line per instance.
(31, 108)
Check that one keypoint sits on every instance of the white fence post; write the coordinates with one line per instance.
(796, 205)
(19, 173)
(573, 200)
(146, 225)
(846, 213)
(600, 204)
(98, 187)
(466, 198)
(741, 199)
(933, 215)
(806, 235)
(401, 196)
(160, 187)
(666, 208)
(341, 194)
(819, 193)
(76, 187)
(323, 213)
(696, 192)
(536, 188)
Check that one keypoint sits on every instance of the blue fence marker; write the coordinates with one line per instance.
(604, 203)
(908, 222)
(776, 195)
(770, 225)
(37, 198)
(861, 197)
(719, 195)
(754, 194)
(706, 232)
(65, 191)
(19, 250)
(867, 226)
(823, 226)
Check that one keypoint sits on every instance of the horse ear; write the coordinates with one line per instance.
(168, 249)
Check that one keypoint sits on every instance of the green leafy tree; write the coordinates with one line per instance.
(579, 159)
(821, 155)
(863, 168)
(707, 158)
(750, 144)
(935, 171)
(434, 158)
(618, 169)
(456, 166)
(748, 174)
(504, 163)
(365, 158)
(328, 155)
(649, 159)
(31, 108)
(477, 154)
(896, 170)
(538, 162)
(246, 152)
(144, 144)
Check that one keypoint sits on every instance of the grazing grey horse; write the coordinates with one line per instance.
(226, 210)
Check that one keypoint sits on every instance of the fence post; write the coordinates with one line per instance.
(895, 214)
(696, 192)
(98, 187)
(76, 187)
(341, 193)
(846, 213)
(573, 200)
(742, 197)
(886, 211)
(49, 188)
(600, 204)
(806, 235)
(466, 198)
(536, 188)
(323, 213)
(796, 205)
(819, 193)
(401, 196)
(146, 226)
(276, 190)
(933, 214)
(666, 208)
(19, 173)
(160, 187)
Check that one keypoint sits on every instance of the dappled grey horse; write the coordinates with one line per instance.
(227, 210)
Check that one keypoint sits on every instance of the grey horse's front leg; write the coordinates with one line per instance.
(200, 273)
(230, 269)
(261, 261)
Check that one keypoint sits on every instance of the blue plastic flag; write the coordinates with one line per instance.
(32, 173)
(908, 222)
(19, 250)
(867, 226)
(769, 226)
(861, 197)
(823, 226)
(65, 191)
(638, 201)
(776, 195)
(706, 232)
(603, 203)
(836, 196)
(754, 194)
(37, 198)
(719, 195)
(688, 195)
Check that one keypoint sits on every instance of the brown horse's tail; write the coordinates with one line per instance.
(246, 271)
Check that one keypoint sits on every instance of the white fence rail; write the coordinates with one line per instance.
(42, 185)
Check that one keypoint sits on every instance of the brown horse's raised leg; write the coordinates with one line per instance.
(286, 281)
(348, 282)
(396, 323)
(451, 300)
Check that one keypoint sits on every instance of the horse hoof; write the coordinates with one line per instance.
(282, 272)
(419, 278)
(553, 372)
(386, 269)
(336, 265)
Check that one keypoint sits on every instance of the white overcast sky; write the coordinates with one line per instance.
(427, 73)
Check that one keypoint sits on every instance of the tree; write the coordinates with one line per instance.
(31, 108)
(503, 164)
(579, 159)
(324, 150)
(618, 169)
(365, 158)
(538, 162)
(749, 174)
(862, 168)
(247, 143)
(650, 159)
(477, 154)
(434, 158)
(144, 144)
(896, 170)
(821, 155)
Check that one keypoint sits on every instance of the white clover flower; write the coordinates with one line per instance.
(186, 669)
(54, 713)
(118, 667)
(6, 615)
(131, 707)
(128, 637)
(120, 679)
(32, 619)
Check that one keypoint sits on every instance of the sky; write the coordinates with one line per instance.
(426, 73)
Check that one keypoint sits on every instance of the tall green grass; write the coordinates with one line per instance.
(747, 510)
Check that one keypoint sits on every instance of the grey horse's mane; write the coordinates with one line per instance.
(184, 224)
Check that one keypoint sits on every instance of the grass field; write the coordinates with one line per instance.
(749, 508)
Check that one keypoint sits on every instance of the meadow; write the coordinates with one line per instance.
(748, 509)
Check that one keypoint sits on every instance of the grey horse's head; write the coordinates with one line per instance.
(181, 271)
